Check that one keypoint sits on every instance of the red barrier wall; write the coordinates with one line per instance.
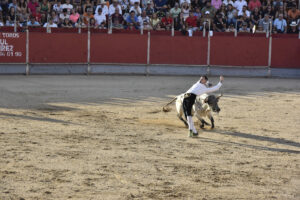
(285, 53)
(239, 51)
(12, 47)
(57, 48)
(119, 48)
(178, 50)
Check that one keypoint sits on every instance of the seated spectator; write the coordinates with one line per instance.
(1, 22)
(103, 6)
(171, 3)
(216, 4)
(206, 21)
(37, 14)
(149, 9)
(144, 21)
(255, 17)
(9, 22)
(210, 9)
(161, 5)
(67, 6)
(166, 22)
(74, 16)
(32, 5)
(32, 22)
(87, 4)
(132, 21)
(131, 2)
(15, 5)
(260, 29)
(185, 1)
(293, 29)
(87, 16)
(67, 23)
(227, 2)
(101, 18)
(265, 23)
(155, 22)
(244, 28)
(290, 4)
(280, 25)
(175, 11)
(293, 14)
(22, 5)
(282, 11)
(45, 6)
(277, 4)
(112, 8)
(50, 24)
(136, 8)
(93, 23)
(185, 10)
(231, 15)
(254, 4)
(239, 4)
(244, 12)
(222, 11)
(58, 7)
(12, 13)
(191, 22)
(124, 5)
(64, 15)
(231, 28)
(117, 20)
(55, 17)
(219, 24)
(271, 13)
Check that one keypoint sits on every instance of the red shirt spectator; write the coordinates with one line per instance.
(32, 6)
(37, 15)
(254, 4)
(167, 20)
(191, 21)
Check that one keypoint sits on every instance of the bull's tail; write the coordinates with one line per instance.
(166, 108)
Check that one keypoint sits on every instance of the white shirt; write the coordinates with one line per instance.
(133, 1)
(226, 2)
(241, 13)
(57, 8)
(1, 24)
(112, 9)
(67, 6)
(50, 25)
(182, 1)
(199, 88)
(138, 10)
(239, 4)
(99, 18)
(104, 9)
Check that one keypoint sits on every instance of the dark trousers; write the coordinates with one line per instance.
(188, 102)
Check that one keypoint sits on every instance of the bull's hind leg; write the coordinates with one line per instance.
(203, 122)
(184, 121)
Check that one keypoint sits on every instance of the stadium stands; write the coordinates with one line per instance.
(279, 16)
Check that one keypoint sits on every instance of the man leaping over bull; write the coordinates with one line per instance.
(198, 88)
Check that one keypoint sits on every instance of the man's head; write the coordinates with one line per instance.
(191, 14)
(203, 80)
(67, 1)
(266, 17)
(208, 4)
(132, 14)
(280, 16)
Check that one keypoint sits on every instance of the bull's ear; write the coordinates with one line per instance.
(206, 100)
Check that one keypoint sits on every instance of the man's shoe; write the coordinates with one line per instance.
(195, 134)
(191, 133)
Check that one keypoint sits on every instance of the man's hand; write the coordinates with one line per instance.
(221, 79)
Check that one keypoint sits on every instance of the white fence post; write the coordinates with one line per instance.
(89, 52)
(270, 56)
(27, 52)
(208, 50)
(148, 54)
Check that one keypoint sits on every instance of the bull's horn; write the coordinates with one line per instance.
(220, 95)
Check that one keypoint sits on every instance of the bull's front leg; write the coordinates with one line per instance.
(212, 122)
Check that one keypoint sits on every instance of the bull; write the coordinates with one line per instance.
(203, 107)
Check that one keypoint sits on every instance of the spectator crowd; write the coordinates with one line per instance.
(278, 16)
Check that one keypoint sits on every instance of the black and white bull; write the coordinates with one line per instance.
(203, 107)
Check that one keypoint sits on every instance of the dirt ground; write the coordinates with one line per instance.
(106, 137)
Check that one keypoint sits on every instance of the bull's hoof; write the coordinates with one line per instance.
(202, 126)
(212, 127)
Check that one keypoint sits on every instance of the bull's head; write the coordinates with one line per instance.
(212, 101)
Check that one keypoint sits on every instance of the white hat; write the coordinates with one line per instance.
(102, 2)
(207, 12)
(293, 23)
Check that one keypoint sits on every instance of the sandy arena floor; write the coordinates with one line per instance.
(105, 137)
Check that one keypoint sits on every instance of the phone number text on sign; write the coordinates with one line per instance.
(5, 48)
